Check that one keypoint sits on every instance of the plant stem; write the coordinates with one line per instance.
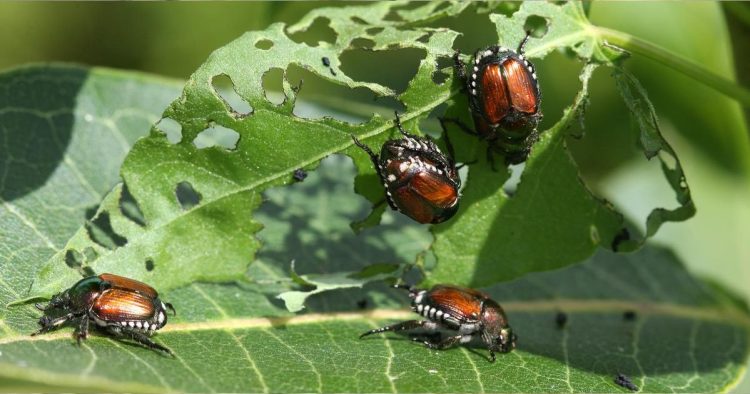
(676, 62)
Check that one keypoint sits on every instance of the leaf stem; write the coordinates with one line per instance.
(674, 61)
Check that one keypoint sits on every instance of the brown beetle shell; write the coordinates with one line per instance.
(505, 88)
(121, 282)
(425, 196)
(118, 305)
(460, 302)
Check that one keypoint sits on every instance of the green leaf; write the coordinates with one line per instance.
(686, 337)
(536, 230)
(65, 132)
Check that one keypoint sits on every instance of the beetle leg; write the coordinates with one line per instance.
(83, 329)
(401, 128)
(146, 341)
(523, 42)
(443, 344)
(49, 324)
(460, 68)
(461, 125)
(374, 157)
(171, 308)
(404, 325)
(40, 307)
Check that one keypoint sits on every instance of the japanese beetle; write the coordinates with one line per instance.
(119, 305)
(466, 313)
(504, 99)
(420, 181)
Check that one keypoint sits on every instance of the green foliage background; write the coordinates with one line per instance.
(87, 119)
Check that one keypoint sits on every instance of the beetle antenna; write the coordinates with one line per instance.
(405, 287)
(523, 42)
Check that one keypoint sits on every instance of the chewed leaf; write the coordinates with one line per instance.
(65, 132)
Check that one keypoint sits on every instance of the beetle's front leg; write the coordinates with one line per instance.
(49, 324)
(83, 329)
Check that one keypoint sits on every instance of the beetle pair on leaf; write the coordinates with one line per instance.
(421, 181)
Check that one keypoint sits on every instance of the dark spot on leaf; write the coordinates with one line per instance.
(326, 61)
(623, 235)
(186, 195)
(130, 208)
(624, 381)
(362, 43)
(537, 25)
(561, 318)
(318, 31)
(299, 175)
(362, 304)
(87, 271)
(629, 315)
(273, 86)
(100, 231)
(264, 44)
(171, 128)
(224, 88)
(217, 135)
(378, 66)
(359, 20)
(393, 16)
(149, 265)
(374, 30)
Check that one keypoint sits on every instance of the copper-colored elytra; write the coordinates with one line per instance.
(410, 204)
(494, 94)
(434, 190)
(523, 94)
(122, 305)
(129, 284)
(462, 302)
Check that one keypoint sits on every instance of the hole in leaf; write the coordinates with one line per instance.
(171, 128)
(90, 254)
(129, 207)
(359, 20)
(374, 30)
(73, 259)
(224, 87)
(273, 86)
(476, 32)
(537, 25)
(360, 102)
(264, 44)
(149, 265)
(444, 69)
(217, 135)
(511, 185)
(362, 43)
(369, 66)
(424, 39)
(318, 31)
(186, 195)
(100, 231)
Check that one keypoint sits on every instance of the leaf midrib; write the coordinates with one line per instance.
(726, 315)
